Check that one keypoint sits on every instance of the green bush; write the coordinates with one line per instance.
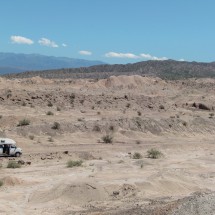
(24, 122)
(107, 138)
(72, 163)
(154, 153)
(137, 155)
(1, 183)
(13, 165)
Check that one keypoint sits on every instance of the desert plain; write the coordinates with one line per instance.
(68, 120)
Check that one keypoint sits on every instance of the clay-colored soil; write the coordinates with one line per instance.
(140, 113)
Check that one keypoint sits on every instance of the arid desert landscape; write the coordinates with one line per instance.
(88, 146)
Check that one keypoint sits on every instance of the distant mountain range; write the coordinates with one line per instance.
(14, 63)
(168, 69)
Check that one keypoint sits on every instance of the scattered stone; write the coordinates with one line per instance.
(115, 193)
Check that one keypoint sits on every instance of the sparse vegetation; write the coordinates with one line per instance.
(137, 155)
(13, 165)
(1, 183)
(31, 137)
(120, 161)
(138, 121)
(50, 139)
(56, 126)
(107, 138)
(72, 98)
(111, 128)
(139, 113)
(58, 109)
(96, 128)
(23, 103)
(154, 153)
(24, 122)
(211, 115)
(128, 105)
(161, 107)
(50, 104)
(184, 123)
(82, 101)
(49, 113)
(9, 95)
(1, 116)
(138, 142)
(74, 163)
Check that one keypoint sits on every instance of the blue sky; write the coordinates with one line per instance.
(113, 31)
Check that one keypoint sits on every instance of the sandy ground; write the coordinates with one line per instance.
(140, 114)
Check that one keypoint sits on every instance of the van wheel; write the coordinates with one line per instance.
(17, 154)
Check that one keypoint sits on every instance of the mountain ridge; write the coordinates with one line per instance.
(168, 69)
(14, 63)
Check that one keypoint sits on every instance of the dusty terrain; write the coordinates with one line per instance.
(140, 113)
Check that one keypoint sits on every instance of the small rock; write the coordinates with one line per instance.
(115, 193)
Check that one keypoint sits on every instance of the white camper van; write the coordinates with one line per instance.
(8, 148)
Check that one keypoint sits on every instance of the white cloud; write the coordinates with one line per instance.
(133, 56)
(47, 42)
(21, 40)
(64, 45)
(181, 59)
(150, 57)
(121, 55)
(85, 52)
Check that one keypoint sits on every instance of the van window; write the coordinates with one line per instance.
(2, 141)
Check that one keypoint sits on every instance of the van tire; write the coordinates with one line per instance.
(18, 154)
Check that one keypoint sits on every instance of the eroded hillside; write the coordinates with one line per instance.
(68, 120)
